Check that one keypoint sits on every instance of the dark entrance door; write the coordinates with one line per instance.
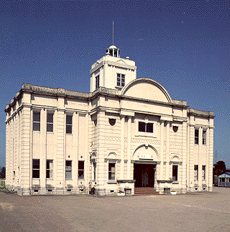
(144, 175)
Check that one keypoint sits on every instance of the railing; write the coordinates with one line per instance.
(224, 184)
(2, 183)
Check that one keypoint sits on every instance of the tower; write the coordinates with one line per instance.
(111, 71)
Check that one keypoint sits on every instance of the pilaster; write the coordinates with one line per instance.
(60, 160)
(199, 159)
(167, 150)
(161, 150)
(184, 157)
(75, 155)
(26, 169)
(43, 143)
(122, 145)
(191, 159)
(7, 154)
(101, 165)
(129, 148)
(210, 160)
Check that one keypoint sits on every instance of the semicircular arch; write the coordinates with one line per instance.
(146, 88)
(146, 152)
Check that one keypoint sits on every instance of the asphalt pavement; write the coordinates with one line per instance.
(202, 211)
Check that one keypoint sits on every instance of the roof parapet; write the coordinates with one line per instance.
(201, 113)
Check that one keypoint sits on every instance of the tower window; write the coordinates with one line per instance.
(97, 81)
(120, 79)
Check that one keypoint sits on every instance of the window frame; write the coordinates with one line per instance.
(120, 80)
(145, 127)
(35, 121)
(196, 172)
(50, 123)
(69, 125)
(49, 169)
(175, 166)
(203, 172)
(35, 169)
(94, 166)
(110, 172)
(81, 169)
(204, 137)
(196, 137)
(97, 81)
(68, 169)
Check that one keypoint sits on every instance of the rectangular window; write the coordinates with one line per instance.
(175, 172)
(195, 172)
(36, 121)
(145, 127)
(204, 137)
(49, 169)
(36, 168)
(94, 171)
(120, 79)
(203, 172)
(80, 169)
(112, 171)
(196, 136)
(69, 124)
(49, 125)
(97, 81)
(68, 169)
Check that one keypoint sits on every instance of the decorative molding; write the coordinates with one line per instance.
(145, 141)
(113, 138)
(175, 144)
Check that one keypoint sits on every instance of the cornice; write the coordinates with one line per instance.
(200, 113)
(112, 63)
(102, 91)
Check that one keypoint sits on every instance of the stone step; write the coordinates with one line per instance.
(145, 191)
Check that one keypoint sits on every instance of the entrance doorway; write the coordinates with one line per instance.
(144, 174)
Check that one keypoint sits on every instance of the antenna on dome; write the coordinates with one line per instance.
(113, 33)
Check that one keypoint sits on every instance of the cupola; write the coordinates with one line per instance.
(113, 51)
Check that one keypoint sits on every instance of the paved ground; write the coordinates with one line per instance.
(191, 212)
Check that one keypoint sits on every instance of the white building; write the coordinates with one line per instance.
(125, 133)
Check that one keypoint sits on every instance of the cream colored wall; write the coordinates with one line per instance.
(146, 91)
(117, 143)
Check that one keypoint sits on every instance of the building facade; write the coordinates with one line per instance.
(125, 133)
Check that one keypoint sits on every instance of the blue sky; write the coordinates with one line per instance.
(182, 44)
